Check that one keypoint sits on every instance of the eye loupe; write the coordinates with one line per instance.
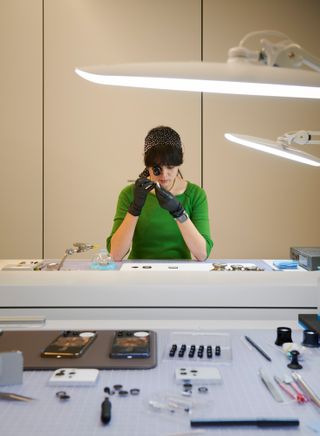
(156, 169)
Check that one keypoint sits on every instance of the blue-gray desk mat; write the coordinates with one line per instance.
(241, 394)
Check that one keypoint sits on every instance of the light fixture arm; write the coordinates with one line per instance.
(301, 137)
(281, 147)
(283, 53)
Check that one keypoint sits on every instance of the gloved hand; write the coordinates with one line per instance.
(141, 188)
(169, 201)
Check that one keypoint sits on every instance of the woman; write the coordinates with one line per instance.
(161, 216)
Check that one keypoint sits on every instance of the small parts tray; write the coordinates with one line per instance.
(199, 347)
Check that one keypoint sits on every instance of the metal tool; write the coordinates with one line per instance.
(301, 398)
(313, 397)
(78, 247)
(14, 397)
(270, 386)
(285, 387)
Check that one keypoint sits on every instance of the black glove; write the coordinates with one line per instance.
(141, 188)
(169, 202)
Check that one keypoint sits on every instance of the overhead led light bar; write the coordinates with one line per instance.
(269, 71)
(275, 148)
(232, 78)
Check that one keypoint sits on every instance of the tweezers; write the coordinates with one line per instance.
(14, 397)
(270, 386)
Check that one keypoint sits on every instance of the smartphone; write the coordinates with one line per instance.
(130, 344)
(69, 344)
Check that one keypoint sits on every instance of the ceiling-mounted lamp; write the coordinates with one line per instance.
(272, 70)
(282, 147)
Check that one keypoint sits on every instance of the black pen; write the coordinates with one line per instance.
(106, 411)
(258, 422)
(264, 354)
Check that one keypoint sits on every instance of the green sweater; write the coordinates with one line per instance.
(157, 235)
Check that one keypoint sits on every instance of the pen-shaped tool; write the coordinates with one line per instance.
(256, 346)
(306, 388)
(259, 422)
(106, 411)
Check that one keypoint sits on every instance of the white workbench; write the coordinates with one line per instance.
(81, 293)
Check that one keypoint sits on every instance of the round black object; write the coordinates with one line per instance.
(203, 389)
(134, 391)
(62, 395)
(310, 339)
(294, 364)
(117, 387)
(156, 170)
(283, 335)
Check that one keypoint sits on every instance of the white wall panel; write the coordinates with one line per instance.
(94, 135)
(21, 128)
(260, 205)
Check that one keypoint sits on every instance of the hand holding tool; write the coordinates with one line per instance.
(169, 202)
(141, 188)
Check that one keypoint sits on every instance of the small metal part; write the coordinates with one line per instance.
(187, 386)
(135, 391)
(203, 389)
(62, 395)
(217, 350)
(251, 268)
(107, 390)
(237, 267)
(123, 393)
(117, 387)
(219, 266)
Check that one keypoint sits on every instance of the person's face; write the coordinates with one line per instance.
(166, 176)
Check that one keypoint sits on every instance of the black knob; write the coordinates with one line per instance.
(283, 335)
(310, 339)
(294, 364)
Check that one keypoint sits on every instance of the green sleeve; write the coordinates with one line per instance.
(124, 200)
(199, 215)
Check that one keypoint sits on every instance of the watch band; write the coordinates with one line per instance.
(183, 217)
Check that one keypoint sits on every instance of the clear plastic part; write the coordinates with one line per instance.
(102, 261)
